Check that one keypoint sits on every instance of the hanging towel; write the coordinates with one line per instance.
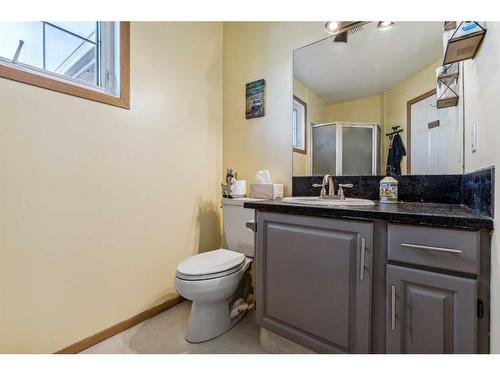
(396, 152)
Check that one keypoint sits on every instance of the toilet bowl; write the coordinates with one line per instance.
(211, 295)
(218, 281)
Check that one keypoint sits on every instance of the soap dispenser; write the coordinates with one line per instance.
(389, 190)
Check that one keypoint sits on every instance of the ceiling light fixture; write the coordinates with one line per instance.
(332, 26)
(385, 25)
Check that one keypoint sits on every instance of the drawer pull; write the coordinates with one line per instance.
(393, 307)
(362, 260)
(432, 248)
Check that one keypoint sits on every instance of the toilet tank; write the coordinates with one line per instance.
(236, 236)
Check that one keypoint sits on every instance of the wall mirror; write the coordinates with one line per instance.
(354, 91)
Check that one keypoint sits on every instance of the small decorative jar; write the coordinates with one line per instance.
(389, 190)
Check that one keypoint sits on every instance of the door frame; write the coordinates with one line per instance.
(408, 125)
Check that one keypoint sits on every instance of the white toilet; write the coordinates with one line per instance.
(214, 280)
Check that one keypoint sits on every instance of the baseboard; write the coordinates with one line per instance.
(79, 346)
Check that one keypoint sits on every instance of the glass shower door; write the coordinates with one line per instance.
(324, 144)
(357, 150)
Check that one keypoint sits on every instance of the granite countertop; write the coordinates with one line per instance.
(436, 214)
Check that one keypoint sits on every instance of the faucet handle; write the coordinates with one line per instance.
(341, 189)
(322, 186)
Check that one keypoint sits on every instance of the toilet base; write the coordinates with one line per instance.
(212, 300)
(209, 320)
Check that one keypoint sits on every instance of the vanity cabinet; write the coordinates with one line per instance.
(313, 280)
(338, 285)
(432, 290)
(429, 312)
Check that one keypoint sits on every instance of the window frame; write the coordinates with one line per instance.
(304, 127)
(62, 85)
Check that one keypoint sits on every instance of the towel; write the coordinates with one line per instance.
(396, 152)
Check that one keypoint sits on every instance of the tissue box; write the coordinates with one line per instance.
(266, 191)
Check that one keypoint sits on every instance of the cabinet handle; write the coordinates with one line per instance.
(432, 248)
(362, 260)
(393, 307)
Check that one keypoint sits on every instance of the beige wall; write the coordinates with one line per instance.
(255, 50)
(368, 109)
(482, 103)
(99, 204)
(317, 113)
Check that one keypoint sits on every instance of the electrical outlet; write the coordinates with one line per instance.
(473, 141)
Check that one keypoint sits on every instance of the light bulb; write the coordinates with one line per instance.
(331, 26)
(385, 25)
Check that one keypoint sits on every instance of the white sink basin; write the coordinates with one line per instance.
(316, 201)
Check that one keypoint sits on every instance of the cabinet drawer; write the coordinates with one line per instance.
(450, 249)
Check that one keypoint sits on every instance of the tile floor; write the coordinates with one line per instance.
(164, 333)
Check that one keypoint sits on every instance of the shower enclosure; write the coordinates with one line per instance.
(345, 148)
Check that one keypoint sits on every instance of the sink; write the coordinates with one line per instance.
(316, 201)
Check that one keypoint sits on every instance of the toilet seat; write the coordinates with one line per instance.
(210, 265)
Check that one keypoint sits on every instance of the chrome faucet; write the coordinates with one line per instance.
(327, 182)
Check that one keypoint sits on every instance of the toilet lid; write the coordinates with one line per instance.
(211, 262)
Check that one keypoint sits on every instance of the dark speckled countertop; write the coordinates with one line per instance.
(435, 214)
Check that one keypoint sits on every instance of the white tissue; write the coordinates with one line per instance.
(263, 176)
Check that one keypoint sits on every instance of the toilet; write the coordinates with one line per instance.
(218, 281)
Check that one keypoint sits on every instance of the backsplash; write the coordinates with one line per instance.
(478, 190)
(473, 189)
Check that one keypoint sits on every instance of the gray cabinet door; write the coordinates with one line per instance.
(429, 312)
(313, 280)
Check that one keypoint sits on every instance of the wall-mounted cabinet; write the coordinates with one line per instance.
(462, 40)
(447, 85)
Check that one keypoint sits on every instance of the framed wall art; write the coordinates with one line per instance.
(255, 99)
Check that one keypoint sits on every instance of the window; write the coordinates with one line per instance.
(85, 59)
(299, 120)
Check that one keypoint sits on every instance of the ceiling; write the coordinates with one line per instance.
(372, 62)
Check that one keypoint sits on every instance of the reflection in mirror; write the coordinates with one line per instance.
(365, 102)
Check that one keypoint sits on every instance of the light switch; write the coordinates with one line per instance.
(473, 141)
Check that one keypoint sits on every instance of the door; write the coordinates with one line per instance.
(313, 282)
(424, 140)
(429, 313)
(436, 138)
